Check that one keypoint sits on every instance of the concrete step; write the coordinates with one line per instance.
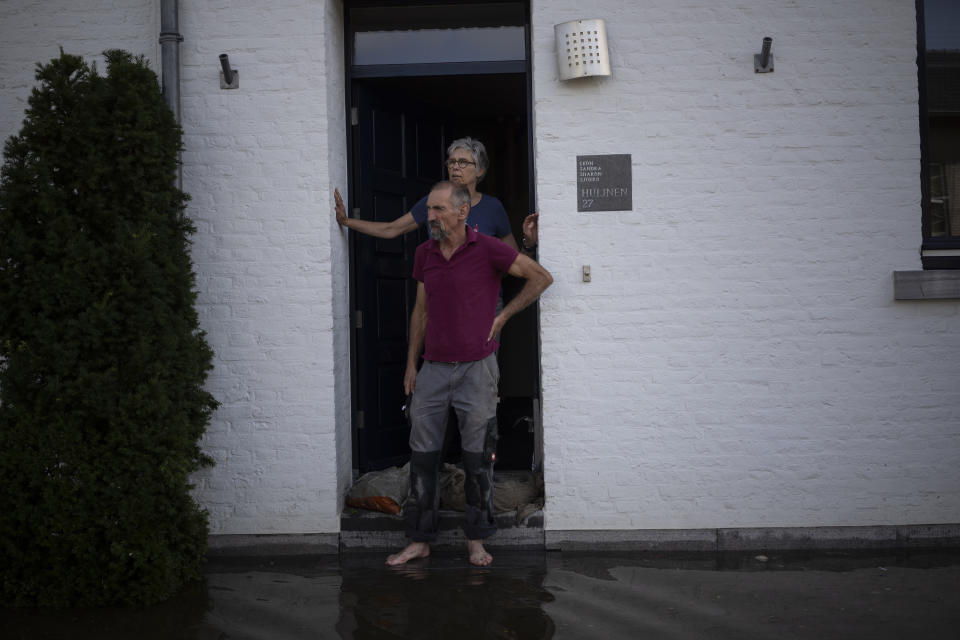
(362, 530)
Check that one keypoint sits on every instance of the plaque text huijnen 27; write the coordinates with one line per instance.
(604, 183)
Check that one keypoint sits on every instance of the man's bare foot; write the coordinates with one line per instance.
(413, 551)
(478, 555)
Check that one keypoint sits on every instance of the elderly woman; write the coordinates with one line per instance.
(466, 164)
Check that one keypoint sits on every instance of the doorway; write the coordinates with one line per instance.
(402, 118)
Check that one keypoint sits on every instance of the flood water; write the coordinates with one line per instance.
(539, 595)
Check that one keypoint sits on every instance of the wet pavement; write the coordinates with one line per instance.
(913, 595)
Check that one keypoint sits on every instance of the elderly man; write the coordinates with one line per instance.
(455, 318)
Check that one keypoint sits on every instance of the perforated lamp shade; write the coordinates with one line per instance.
(582, 49)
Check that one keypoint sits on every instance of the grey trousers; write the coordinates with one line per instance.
(470, 388)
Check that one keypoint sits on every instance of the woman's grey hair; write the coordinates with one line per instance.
(476, 148)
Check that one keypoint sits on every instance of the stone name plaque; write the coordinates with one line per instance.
(604, 183)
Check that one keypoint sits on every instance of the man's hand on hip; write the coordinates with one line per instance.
(497, 326)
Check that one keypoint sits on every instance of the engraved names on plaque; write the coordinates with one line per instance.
(604, 183)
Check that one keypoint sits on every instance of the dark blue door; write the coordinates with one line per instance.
(399, 149)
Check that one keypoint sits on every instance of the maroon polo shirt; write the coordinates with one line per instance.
(462, 295)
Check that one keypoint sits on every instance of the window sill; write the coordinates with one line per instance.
(940, 284)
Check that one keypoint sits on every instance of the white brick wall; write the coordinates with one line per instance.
(336, 175)
(271, 263)
(738, 358)
(33, 31)
(260, 163)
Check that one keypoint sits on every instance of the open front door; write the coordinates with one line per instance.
(411, 94)
(399, 149)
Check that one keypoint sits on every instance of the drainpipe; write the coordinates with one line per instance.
(170, 40)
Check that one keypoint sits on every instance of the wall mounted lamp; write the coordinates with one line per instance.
(229, 78)
(582, 49)
(763, 61)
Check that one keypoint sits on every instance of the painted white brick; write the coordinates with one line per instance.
(33, 31)
(271, 264)
(262, 151)
(739, 343)
(738, 358)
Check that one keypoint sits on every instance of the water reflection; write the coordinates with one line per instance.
(443, 597)
(720, 596)
(178, 617)
(538, 595)
(284, 599)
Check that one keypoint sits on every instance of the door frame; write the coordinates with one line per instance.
(353, 73)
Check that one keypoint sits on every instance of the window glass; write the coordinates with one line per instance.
(411, 34)
(942, 80)
(439, 45)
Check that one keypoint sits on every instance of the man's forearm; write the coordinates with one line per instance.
(534, 286)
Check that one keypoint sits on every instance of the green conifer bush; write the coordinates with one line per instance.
(102, 363)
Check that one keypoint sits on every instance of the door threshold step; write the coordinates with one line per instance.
(368, 530)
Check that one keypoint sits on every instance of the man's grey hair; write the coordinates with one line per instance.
(476, 148)
(459, 194)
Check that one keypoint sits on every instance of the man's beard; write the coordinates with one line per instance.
(437, 232)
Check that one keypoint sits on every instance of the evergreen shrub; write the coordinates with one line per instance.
(102, 363)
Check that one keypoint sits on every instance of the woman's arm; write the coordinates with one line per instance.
(403, 224)
(530, 236)
(531, 232)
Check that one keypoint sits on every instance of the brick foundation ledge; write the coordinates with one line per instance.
(367, 538)
(757, 538)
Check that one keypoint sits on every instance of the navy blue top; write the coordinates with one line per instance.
(487, 216)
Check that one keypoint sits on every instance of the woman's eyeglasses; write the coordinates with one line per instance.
(458, 162)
